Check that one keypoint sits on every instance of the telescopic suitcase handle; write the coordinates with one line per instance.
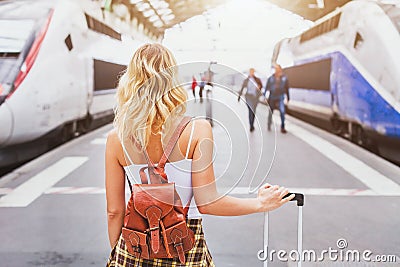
(298, 197)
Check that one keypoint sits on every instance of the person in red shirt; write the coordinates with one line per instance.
(194, 85)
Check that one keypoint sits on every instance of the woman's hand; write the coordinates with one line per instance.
(270, 197)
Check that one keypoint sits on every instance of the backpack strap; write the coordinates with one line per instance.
(129, 182)
(156, 172)
(173, 140)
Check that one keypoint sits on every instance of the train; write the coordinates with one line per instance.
(59, 66)
(345, 70)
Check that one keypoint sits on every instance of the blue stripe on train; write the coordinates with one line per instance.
(354, 97)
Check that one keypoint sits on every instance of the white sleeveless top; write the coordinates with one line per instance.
(178, 172)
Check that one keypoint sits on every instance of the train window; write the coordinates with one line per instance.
(68, 42)
(16, 37)
(106, 74)
(322, 28)
(313, 75)
(358, 41)
(100, 27)
(14, 34)
(9, 55)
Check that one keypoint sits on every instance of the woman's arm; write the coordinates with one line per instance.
(208, 200)
(115, 189)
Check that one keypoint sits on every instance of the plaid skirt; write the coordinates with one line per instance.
(198, 256)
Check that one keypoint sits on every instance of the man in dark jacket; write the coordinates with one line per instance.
(253, 87)
(278, 86)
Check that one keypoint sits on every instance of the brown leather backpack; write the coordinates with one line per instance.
(155, 220)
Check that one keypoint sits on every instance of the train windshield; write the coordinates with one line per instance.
(16, 37)
(393, 13)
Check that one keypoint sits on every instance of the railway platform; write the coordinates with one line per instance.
(53, 210)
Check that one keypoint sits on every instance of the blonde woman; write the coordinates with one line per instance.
(150, 106)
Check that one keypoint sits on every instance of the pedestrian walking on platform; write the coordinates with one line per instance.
(194, 85)
(149, 115)
(201, 88)
(253, 92)
(277, 86)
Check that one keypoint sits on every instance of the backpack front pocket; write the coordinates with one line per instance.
(136, 243)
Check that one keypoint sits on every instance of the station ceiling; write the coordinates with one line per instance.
(158, 15)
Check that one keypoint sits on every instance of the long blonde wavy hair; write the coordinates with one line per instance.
(149, 95)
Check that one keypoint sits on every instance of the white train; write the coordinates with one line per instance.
(346, 70)
(59, 62)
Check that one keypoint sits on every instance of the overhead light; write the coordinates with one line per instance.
(142, 6)
(121, 10)
(158, 4)
(164, 11)
(158, 23)
(154, 18)
(168, 17)
(321, 4)
(148, 13)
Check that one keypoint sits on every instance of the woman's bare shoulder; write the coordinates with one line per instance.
(114, 147)
(202, 129)
(112, 136)
(113, 142)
